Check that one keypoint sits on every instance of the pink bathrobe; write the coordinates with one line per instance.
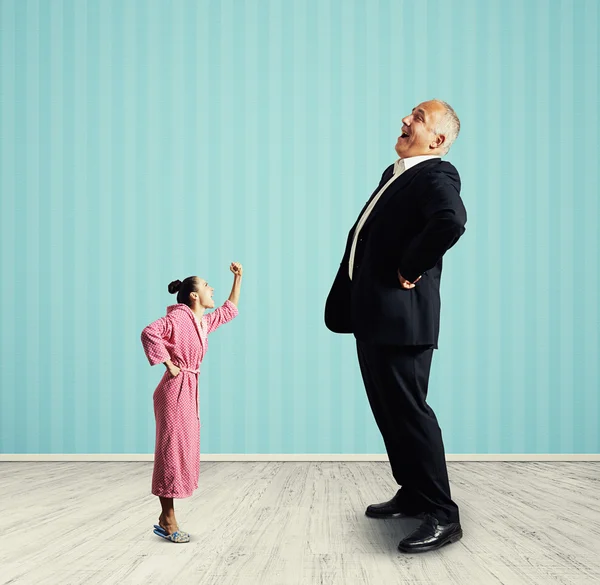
(182, 339)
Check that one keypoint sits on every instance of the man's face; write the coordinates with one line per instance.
(418, 136)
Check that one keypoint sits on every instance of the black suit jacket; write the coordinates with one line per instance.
(417, 219)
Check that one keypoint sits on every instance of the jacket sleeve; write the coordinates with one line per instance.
(153, 340)
(225, 313)
(445, 219)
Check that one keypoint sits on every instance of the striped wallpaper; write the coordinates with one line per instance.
(143, 141)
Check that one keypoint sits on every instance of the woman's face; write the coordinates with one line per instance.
(205, 294)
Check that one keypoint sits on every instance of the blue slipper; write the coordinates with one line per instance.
(160, 528)
(175, 537)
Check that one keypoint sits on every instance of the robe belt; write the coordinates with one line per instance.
(188, 370)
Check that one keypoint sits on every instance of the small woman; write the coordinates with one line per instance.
(179, 341)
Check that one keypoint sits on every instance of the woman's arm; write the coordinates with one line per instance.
(237, 270)
(153, 340)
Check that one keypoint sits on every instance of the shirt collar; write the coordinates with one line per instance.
(403, 164)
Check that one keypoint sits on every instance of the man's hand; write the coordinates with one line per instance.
(405, 284)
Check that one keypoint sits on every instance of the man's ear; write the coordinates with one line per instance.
(437, 141)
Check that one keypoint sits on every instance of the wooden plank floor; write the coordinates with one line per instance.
(269, 523)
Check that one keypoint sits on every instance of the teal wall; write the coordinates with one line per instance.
(147, 141)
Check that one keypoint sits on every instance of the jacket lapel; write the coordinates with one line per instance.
(386, 177)
(397, 185)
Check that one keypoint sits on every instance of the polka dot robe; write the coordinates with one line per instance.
(181, 338)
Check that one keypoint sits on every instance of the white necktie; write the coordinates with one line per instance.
(398, 170)
(399, 167)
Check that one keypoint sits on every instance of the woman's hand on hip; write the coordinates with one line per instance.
(172, 369)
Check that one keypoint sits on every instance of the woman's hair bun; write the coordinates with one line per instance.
(174, 286)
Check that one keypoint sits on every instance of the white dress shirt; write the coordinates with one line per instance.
(401, 165)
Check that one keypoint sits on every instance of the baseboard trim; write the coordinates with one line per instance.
(299, 457)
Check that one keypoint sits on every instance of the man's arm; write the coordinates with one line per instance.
(446, 217)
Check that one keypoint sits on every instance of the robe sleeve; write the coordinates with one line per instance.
(225, 313)
(153, 340)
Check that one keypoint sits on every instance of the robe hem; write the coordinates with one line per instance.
(172, 495)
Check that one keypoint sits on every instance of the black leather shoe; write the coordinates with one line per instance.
(391, 509)
(431, 535)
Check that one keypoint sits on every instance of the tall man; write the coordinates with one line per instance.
(387, 293)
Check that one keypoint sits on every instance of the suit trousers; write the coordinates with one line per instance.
(396, 380)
